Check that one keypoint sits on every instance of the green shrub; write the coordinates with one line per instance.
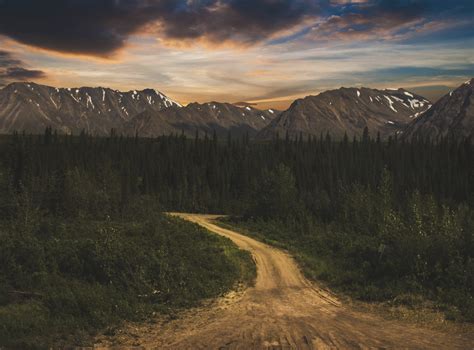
(66, 280)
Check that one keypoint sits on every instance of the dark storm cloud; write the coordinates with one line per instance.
(88, 26)
(246, 21)
(100, 27)
(6, 59)
(20, 73)
(12, 69)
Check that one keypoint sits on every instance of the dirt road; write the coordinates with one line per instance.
(283, 311)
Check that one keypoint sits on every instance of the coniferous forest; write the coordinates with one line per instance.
(379, 220)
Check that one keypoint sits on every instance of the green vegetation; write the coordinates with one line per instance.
(76, 259)
(373, 250)
(71, 279)
(82, 243)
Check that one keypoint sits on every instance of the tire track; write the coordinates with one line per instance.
(283, 311)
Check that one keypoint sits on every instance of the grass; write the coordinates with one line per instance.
(66, 281)
(407, 306)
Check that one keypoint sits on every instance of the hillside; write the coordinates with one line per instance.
(204, 118)
(348, 110)
(452, 115)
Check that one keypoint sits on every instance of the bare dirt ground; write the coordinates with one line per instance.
(282, 311)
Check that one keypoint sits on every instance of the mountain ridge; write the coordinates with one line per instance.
(33, 107)
(348, 111)
(452, 115)
(150, 113)
(208, 117)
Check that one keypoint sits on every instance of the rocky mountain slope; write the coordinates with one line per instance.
(452, 115)
(348, 110)
(32, 108)
(204, 118)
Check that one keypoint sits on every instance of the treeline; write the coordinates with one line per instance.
(207, 175)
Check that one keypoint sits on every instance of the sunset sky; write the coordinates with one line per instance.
(263, 51)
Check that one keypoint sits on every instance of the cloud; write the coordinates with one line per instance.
(12, 69)
(19, 73)
(101, 27)
(416, 76)
(359, 26)
(6, 59)
(389, 20)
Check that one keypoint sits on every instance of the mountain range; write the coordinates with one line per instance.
(31, 107)
(149, 113)
(348, 111)
(221, 118)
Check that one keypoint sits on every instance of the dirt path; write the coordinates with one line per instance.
(283, 311)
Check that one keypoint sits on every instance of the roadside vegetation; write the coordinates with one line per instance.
(71, 270)
(417, 253)
(83, 244)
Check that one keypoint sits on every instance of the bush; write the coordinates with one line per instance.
(67, 280)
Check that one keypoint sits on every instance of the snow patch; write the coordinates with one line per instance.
(391, 104)
(54, 103)
(74, 98)
(271, 111)
(167, 101)
(89, 100)
(401, 101)
(408, 94)
(358, 93)
(417, 103)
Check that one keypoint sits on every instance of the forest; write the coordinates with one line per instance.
(378, 220)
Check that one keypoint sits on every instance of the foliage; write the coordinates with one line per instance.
(82, 243)
(378, 252)
(82, 249)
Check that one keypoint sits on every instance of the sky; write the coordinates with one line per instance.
(266, 52)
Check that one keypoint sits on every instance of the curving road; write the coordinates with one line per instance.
(283, 311)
